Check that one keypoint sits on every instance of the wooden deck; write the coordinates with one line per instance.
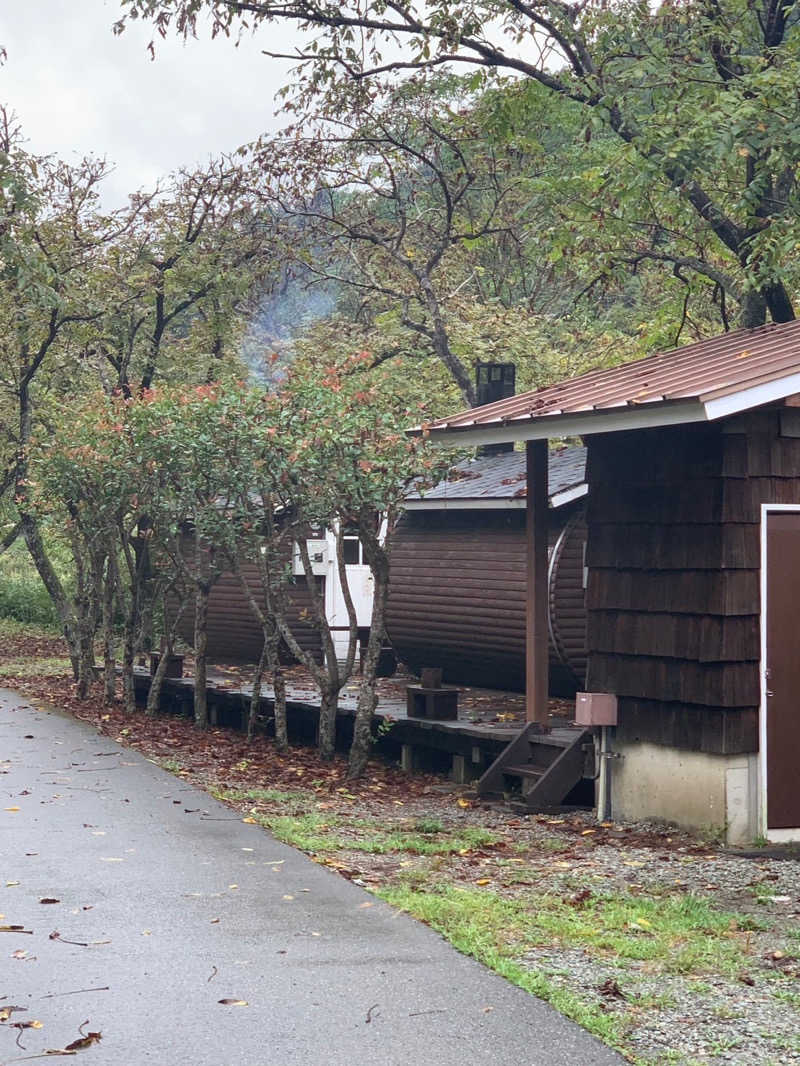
(464, 747)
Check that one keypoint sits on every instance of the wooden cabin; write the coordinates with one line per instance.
(693, 558)
(457, 585)
(234, 635)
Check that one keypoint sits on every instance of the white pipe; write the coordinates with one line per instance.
(603, 798)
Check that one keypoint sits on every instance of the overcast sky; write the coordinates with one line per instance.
(76, 88)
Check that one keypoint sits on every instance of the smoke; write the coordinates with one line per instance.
(285, 313)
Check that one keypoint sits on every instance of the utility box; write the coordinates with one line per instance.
(318, 554)
(595, 708)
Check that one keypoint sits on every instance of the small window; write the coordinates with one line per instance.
(352, 550)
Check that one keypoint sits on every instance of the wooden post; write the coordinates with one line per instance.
(536, 651)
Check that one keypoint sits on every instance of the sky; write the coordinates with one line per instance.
(77, 89)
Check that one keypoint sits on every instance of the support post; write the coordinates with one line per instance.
(536, 652)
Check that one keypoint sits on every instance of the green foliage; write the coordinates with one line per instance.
(694, 107)
(23, 597)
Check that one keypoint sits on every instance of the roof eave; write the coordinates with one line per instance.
(492, 503)
(578, 424)
(719, 405)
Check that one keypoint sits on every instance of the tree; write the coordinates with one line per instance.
(52, 237)
(349, 465)
(198, 250)
(697, 97)
(392, 193)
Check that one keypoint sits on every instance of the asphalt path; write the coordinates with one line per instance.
(169, 903)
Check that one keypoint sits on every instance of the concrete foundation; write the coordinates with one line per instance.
(711, 793)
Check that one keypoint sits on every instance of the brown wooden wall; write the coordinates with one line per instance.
(233, 633)
(673, 594)
(457, 597)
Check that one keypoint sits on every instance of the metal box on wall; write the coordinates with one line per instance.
(595, 708)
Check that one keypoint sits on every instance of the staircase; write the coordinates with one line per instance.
(540, 768)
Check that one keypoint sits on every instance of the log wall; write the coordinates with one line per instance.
(234, 635)
(457, 596)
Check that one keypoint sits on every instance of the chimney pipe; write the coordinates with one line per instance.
(495, 381)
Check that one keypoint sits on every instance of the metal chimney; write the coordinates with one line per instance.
(495, 381)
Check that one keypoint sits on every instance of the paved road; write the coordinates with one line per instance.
(182, 905)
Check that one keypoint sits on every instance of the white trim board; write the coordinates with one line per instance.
(576, 424)
(777, 836)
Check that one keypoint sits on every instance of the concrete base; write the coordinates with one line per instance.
(717, 794)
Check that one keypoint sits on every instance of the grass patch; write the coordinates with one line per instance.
(315, 832)
(262, 795)
(55, 667)
(491, 930)
(680, 934)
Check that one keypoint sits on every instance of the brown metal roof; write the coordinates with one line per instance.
(702, 381)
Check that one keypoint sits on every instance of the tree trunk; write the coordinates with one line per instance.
(109, 665)
(329, 705)
(167, 651)
(378, 560)
(281, 726)
(86, 658)
(153, 705)
(201, 655)
(255, 698)
(779, 303)
(128, 655)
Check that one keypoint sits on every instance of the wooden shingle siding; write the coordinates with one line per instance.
(707, 638)
(457, 597)
(673, 596)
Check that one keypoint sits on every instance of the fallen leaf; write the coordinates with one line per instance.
(215, 921)
(6, 1012)
(79, 1044)
(288, 897)
(233, 1002)
(49, 899)
(12, 808)
(250, 821)
(361, 906)
(611, 989)
(14, 929)
(463, 802)
(484, 881)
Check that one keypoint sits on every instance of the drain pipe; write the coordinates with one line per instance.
(604, 779)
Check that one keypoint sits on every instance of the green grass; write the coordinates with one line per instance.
(492, 930)
(56, 667)
(263, 795)
(316, 832)
(680, 934)
(12, 627)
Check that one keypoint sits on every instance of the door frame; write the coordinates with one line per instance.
(777, 836)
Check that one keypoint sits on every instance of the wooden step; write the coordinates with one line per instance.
(525, 771)
(548, 765)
